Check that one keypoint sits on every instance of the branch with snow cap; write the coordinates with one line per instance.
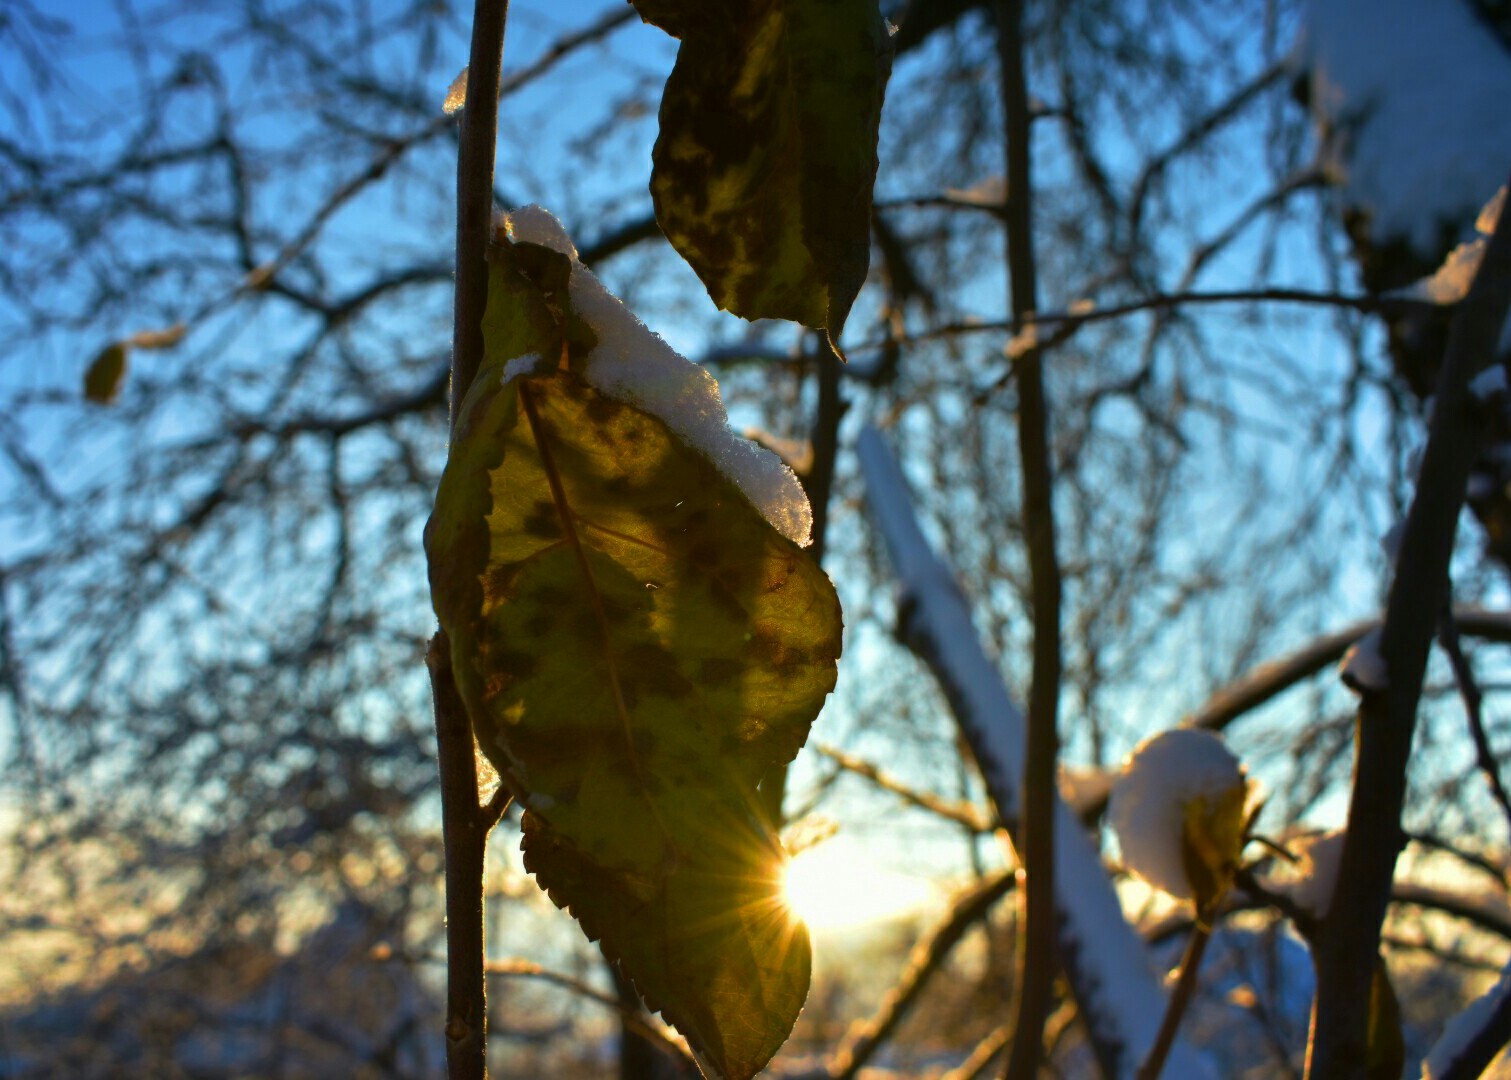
(1106, 964)
(1474, 1037)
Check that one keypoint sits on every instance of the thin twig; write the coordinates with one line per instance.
(981, 1057)
(1165, 301)
(1272, 678)
(865, 1039)
(818, 482)
(474, 191)
(466, 839)
(635, 1017)
(463, 823)
(1036, 839)
(1180, 998)
(1463, 675)
(959, 812)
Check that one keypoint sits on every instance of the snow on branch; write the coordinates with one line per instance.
(1473, 1037)
(1105, 962)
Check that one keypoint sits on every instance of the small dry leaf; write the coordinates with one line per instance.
(102, 381)
(165, 338)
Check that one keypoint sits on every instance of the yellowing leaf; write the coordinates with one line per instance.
(637, 648)
(766, 155)
(106, 372)
(1213, 839)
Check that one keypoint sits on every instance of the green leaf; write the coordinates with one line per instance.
(637, 647)
(106, 372)
(767, 150)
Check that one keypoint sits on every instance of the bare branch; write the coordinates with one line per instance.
(1036, 837)
(1348, 942)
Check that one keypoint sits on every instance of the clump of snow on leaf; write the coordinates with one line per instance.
(1160, 780)
(633, 365)
(1408, 93)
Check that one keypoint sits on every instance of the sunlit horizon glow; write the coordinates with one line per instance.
(835, 886)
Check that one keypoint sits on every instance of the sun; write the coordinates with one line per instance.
(836, 885)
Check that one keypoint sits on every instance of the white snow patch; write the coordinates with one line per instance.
(1363, 668)
(1022, 342)
(1462, 1029)
(1410, 94)
(1451, 282)
(456, 94)
(992, 191)
(1148, 809)
(1104, 959)
(529, 364)
(1490, 215)
(633, 365)
(1317, 874)
(1083, 788)
(536, 225)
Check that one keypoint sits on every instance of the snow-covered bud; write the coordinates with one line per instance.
(1181, 810)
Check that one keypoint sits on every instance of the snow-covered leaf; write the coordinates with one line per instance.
(637, 647)
(1181, 797)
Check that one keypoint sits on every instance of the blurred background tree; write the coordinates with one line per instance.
(213, 602)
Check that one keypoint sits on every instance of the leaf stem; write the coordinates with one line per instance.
(1185, 987)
